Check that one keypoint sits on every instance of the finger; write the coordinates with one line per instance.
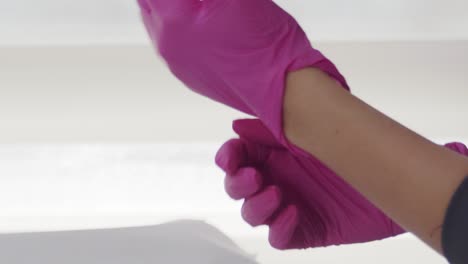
(245, 183)
(259, 208)
(237, 153)
(174, 7)
(283, 228)
(231, 156)
(458, 147)
(255, 131)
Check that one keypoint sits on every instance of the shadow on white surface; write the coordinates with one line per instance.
(173, 243)
(47, 188)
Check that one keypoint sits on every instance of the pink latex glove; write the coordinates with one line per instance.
(236, 52)
(304, 203)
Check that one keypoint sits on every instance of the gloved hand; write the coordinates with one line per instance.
(236, 52)
(304, 203)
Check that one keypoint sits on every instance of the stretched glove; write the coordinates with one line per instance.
(236, 52)
(458, 147)
(304, 203)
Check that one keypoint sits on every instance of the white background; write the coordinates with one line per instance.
(110, 21)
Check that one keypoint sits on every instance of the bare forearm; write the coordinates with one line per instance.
(407, 176)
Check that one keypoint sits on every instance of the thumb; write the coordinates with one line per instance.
(255, 131)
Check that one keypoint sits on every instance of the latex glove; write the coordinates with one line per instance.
(458, 147)
(304, 203)
(236, 52)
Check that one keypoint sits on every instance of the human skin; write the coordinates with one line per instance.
(408, 177)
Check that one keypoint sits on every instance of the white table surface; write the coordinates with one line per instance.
(79, 187)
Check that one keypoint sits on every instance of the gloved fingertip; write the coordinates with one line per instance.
(458, 147)
(255, 131)
(240, 125)
(272, 194)
(252, 177)
(283, 227)
(258, 209)
(245, 183)
(229, 156)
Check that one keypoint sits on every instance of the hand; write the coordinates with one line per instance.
(304, 203)
(237, 52)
